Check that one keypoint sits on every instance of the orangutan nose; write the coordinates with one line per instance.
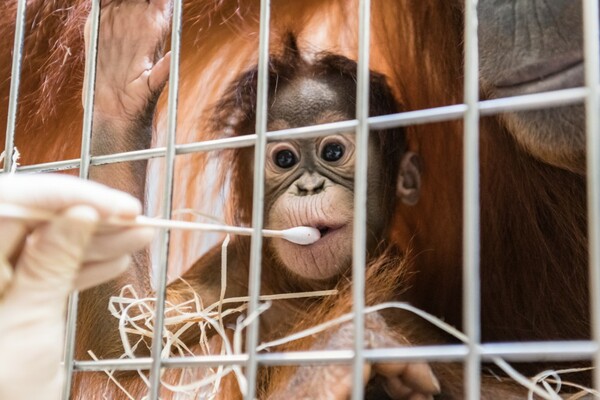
(310, 184)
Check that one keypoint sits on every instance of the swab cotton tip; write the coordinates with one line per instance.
(302, 235)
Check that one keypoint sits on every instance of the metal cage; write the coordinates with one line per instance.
(472, 353)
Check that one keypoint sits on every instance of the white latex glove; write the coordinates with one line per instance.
(41, 263)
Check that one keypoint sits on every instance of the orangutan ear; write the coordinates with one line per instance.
(408, 188)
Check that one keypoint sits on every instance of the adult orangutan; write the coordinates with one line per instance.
(533, 256)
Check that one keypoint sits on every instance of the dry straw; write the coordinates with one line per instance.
(193, 315)
(135, 315)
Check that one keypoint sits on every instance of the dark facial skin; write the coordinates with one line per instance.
(310, 182)
(535, 46)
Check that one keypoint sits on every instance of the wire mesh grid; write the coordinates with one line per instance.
(473, 352)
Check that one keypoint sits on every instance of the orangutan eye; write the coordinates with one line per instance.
(285, 159)
(332, 151)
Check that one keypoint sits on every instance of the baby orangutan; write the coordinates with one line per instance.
(309, 182)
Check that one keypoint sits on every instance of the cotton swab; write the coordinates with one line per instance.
(302, 235)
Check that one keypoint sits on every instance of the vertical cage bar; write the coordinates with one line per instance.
(15, 81)
(360, 197)
(471, 233)
(592, 123)
(258, 196)
(84, 167)
(88, 101)
(161, 277)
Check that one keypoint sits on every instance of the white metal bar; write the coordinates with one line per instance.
(258, 198)
(161, 276)
(15, 80)
(360, 197)
(556, 98)
(84, 166)
(513, 352)
(438, 114)
(592, 124)
(471, 234)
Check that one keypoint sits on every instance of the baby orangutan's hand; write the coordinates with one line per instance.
(401, 381)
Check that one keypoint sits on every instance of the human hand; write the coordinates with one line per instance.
(41, 263)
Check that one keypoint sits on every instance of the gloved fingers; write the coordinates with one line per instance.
(12, 236)
(6, 274)
(93, 274)
(32, 310)
(109, 244)
(54, 192)
(53, 253)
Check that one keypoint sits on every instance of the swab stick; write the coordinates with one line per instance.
(302, 235)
